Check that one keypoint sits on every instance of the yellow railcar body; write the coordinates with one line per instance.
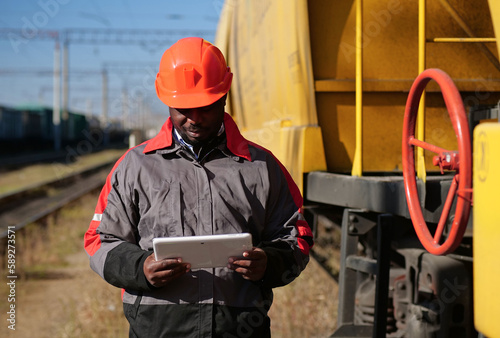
(486, 228)
(294, 92)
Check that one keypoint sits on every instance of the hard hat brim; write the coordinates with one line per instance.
(196, 99)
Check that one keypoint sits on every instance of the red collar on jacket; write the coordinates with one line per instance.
(236, 143)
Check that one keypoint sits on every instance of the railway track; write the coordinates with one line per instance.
(22, 207)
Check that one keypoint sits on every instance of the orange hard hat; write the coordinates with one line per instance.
(193, 73)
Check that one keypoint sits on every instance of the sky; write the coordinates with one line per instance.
(27, 61)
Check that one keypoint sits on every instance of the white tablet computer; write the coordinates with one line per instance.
(203, 251)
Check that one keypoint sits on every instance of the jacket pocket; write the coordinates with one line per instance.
(167, 207)
(176, 213)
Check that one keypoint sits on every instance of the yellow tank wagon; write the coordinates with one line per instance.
(324, 84)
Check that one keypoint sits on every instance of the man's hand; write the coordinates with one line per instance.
(252, 266)
(160, 273)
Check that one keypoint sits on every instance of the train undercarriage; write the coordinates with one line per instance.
(389, 285)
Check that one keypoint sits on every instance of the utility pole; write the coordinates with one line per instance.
(125, 109)
(65, 81)
(104, 119)
(56, 112)
(88, 108)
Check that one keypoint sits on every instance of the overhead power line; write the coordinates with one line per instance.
(13, 34)
(105, 35)
(110, 68)
(129, 36)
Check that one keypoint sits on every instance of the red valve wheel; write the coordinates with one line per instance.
(460, 161)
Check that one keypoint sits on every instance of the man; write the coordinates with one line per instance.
(198, 176)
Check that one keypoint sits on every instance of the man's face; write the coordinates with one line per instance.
(199, 125)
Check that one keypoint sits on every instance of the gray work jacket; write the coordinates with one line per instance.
(159, 189)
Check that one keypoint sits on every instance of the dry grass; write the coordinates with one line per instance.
(307, 307)
(59, 296)
(97, 312)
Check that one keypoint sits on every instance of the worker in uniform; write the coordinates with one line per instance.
(198, 176)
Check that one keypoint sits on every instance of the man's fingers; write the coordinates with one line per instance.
(166, 263)
(163, 277)
(168, 275)
(245, 273)
(246, 262)
(159, 273)
(173, 271)
(251, 266)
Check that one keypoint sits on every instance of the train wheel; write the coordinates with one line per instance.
(459, 161)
